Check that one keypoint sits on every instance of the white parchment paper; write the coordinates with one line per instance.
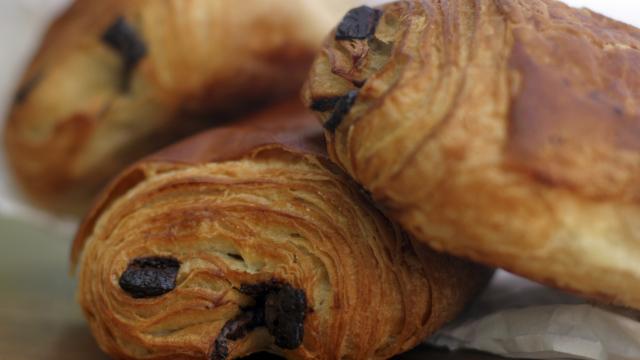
(514, 317)
(521, 319)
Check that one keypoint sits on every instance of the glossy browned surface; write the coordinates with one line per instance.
(39, 318)
(574, 122)
(503, 131)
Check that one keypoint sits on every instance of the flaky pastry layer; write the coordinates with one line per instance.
(193, 252)
(505, 131)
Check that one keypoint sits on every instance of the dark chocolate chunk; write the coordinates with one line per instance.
(236, 329)
(122, 37)
(258, 291)
(358, 23)
(284, 313)
(220, 349)
(278, 306)
(341, 110)
(325, 104)
(150, 277)
(23, 92)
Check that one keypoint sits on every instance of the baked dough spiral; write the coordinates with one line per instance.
(114, 80)
(247, 239)
(504, 131)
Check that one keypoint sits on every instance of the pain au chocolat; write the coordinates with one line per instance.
(114, 80)
(503, 131)
(247, 239)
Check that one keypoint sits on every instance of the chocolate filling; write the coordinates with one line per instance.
(342, 108)
(150, 277)
(284, 313)
(279, 307)
(325, 104)
(23, 92)
(359, 23)
(123, 38)
(237, 329)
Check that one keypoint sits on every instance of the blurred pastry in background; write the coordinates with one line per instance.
(507, 132)
(114, 80)
(247, 239)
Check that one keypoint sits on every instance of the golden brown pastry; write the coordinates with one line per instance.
(504, 131)
(116, 79)
(247, 239)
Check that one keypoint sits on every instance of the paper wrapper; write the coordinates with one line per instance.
(514, 317)
(518, 318)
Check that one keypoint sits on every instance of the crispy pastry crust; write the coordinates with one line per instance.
(504, 131)
(239, 208)
(116, 79)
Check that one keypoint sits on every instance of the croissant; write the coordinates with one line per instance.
(507, 132)
(116, 79)
(247, 239)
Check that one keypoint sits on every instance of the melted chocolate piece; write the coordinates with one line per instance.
(150, 277)
(123, 38)
(23, 92)
(259, 290)
(278, 306)
(341, 110)
(359, 23)
(284, 313)
(325, 104)
(236, 329)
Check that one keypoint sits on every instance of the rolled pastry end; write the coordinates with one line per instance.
(195, 254)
